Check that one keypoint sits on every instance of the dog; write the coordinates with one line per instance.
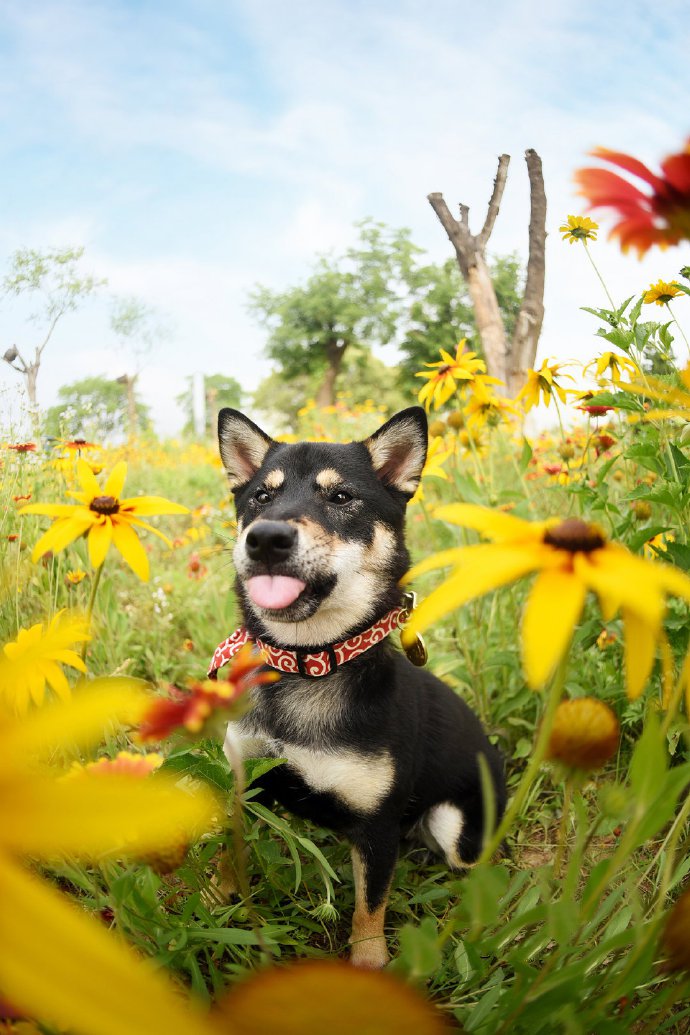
(375, 748)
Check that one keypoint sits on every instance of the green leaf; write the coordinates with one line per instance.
(525, 456)
(419, 948)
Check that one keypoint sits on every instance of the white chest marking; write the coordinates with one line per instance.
(360, 781)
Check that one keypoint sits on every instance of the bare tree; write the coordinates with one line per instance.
(138, 329)
(506, 359)
(53, 279)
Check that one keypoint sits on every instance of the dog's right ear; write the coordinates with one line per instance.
(243, 446)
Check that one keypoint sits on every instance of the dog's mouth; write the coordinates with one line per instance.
(274, 592)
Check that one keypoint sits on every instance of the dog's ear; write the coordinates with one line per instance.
(243, 446)
(398, 450)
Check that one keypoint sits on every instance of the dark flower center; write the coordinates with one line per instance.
(575, 535)
(104, 505)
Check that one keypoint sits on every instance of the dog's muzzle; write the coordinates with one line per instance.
(270, 542)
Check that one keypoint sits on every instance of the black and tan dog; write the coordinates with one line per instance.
(375, 747)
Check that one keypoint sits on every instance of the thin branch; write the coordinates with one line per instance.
(458, 233)
(495, 201)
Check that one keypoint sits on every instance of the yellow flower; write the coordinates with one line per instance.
(584, 735)
(541, 384)
(485, 407)
(571, 557)
(35, 658)
(615, 364)
(443, 375)
(579, 228)
(73, 578)
(436, 457)
(662, 292)
(104, 518)
(675, 400)
(59, 965)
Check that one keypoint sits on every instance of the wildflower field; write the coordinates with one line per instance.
(144, 887)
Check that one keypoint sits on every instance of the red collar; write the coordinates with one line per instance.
(305, 663)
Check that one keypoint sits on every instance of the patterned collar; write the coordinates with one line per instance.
(311, 665)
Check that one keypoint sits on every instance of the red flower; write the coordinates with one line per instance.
(23, 447)
(596, 411)
(191, 708)
(659, 216)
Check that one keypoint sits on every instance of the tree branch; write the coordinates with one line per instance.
(523, 348)
(458, 233)
(495, 201)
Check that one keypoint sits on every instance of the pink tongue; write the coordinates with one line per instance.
(274, 591)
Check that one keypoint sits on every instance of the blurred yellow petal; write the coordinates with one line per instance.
(150, 505)
(62, 533)
(494, 524)
(618, 576)
(57, 510)
(100, 538)
(484, 568)
(99, 815)
(115, 481)
(67, 969)
(639, 652)
(442, 559)
(80, 722)
(552, 611)
(87, 480)
(128, 543)
(131, 520)
(56, 679)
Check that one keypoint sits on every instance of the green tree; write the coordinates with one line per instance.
(441, 311)
(94, 408)
(279, 397)
(219, 390)
(354, 299)
(137, 329)
(55, 283)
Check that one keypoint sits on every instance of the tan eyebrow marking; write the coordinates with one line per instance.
(274, 479)
(328, 478)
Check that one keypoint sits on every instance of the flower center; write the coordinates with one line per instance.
(575, 535)
(104, 505)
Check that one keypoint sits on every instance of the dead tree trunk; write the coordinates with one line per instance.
(506, 360)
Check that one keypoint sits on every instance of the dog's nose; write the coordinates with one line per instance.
(270, 541)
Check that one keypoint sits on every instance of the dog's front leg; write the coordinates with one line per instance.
(374, 855)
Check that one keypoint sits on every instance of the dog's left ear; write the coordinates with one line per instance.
(398, 450)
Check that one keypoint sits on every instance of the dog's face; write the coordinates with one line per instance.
(320, 544)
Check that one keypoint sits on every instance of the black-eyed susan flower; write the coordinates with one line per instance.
(541, 385)
(613, 366)
(658, 214)
(57, 964)
(437, 455)
(104, 518)
(584, 735)
(36, 658)
(579, 228)
(75, 576)
(571, 558)
(662, 292)
(442, 377)
(485, 407)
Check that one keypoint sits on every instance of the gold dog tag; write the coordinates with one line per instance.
(416, 651)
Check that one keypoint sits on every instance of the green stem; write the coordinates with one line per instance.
(89, 608)
(682, 332)
(538, 756)
(563, 827)
(601, 279)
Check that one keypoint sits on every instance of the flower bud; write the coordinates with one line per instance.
(585, 734)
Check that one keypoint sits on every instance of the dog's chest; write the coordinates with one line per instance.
(303, 725)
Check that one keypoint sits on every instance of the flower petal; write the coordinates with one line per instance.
(115, 482)
(87, 480)
(484, 568)
(100, 538)
(493, 524)
(552, 611)
(639, 651)
(66, 968)
(147, 506)
(60, 534)
(128, 543)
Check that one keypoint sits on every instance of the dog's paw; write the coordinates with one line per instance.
(369, 953)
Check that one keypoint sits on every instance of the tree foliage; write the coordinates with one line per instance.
(219, 390)
(353, 299)
(94, 408)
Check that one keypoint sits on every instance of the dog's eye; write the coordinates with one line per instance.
(341, 497)
(261, 496)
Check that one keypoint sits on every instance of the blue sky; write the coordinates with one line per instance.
(197, 148)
